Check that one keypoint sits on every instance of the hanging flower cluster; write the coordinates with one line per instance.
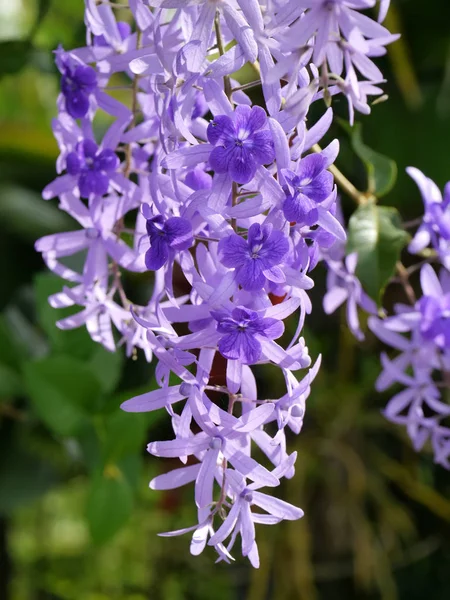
(228, 206)
(422, 365)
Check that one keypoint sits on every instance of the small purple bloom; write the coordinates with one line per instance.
(241, 146)
(435, 226)
(311, 185)
(76, 85)
(174, 234)
(92, 168)
(241, 330)
(256, 258)
(435, 321)
(344, 286)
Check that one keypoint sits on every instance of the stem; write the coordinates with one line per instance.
(345, 184)
(404, 280)
(234, 197)
(118, 227)
(134, 106)
(413, 268)
(412, 223)
(203, 238)
(246, 86)
(117, 5)
(118, 285)
(220, 46)
(118, 87)
(11, 412)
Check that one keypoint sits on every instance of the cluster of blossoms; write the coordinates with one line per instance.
(227, 205)
(423, 363)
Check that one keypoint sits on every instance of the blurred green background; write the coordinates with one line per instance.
(77, 520)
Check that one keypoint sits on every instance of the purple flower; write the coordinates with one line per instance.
(124, 30)
(174, 234)
(436, 320)
(256, 258)
(435, 226)
(343, 285)
(243, 519)
(420, 406)
(326, 19)
(434, 307)
(76, 85)
(246, 274)
(311, 185)
(241, 330)
(92, 168)
(240, 145)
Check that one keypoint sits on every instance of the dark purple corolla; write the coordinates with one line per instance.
(311, 185)
(76, 85)
(241, 329)
(93, 168)
(255, 259)
(165, 237)
(241, 144)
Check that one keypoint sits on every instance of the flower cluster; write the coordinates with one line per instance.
(422, 364)
(434, 228)
(227, 205)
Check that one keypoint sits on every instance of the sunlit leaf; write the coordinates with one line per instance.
(375, 233)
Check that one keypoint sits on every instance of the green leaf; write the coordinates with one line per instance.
(25, 213)
(381, 170)
(42, 9)
(61, 389)
(27, 339)
(109, 504)
(375, 233)
(10, 350)
(132, 468)
(90, 446)
(126, 432)
(10, 383)
(107, 367)
(14, 56)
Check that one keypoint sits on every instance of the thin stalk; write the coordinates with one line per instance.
(345, 184)
(247, 86)
(220, 46)
(404, 280)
